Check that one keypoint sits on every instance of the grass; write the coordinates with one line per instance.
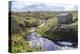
(28, 21)
(19, 44)
(52, 22)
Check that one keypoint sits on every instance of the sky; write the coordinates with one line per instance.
(37, 6)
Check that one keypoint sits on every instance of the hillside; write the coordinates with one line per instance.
(43, 23)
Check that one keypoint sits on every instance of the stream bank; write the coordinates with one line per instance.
(36, 41)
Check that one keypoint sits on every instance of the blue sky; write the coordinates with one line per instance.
(37, 6)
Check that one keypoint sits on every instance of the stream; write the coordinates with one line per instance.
(36, 41)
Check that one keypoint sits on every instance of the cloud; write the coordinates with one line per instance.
(66, 6)
(19, 6)
(71, 8)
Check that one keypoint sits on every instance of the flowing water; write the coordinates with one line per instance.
(36, 40)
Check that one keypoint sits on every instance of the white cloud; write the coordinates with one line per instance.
(19, 5)
(68, 7)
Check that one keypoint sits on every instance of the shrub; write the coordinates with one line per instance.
(19, 44)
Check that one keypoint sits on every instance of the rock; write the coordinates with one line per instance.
(44, 44)
(65, 43)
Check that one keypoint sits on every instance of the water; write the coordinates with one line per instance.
(36, 40)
